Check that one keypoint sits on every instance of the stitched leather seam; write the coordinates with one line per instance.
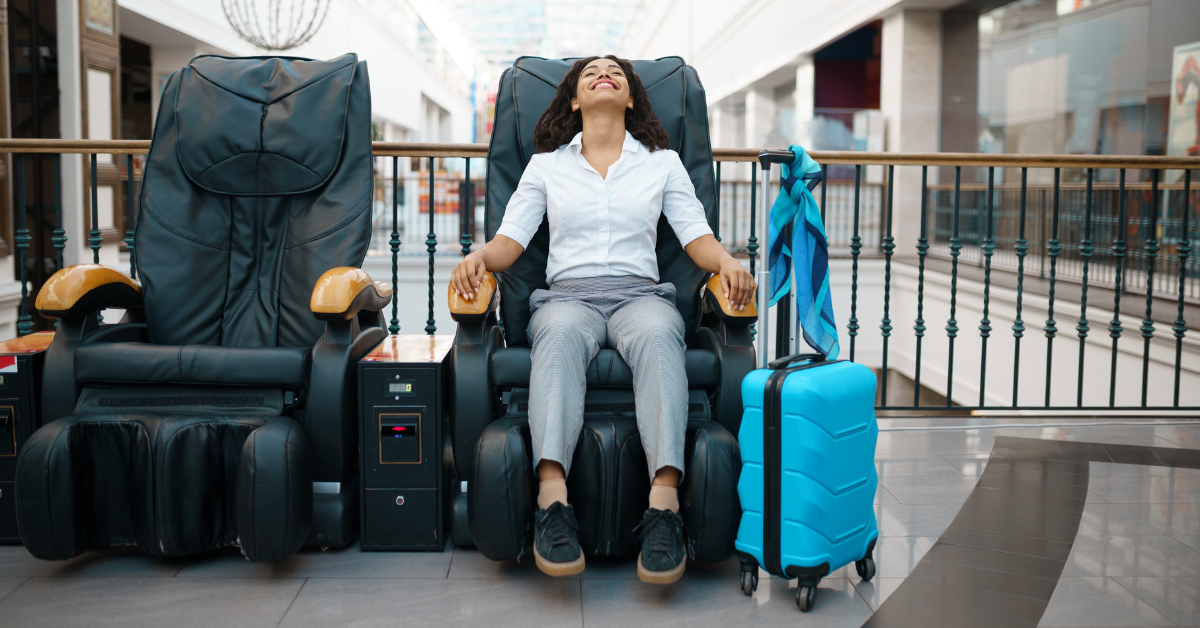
(192, 368)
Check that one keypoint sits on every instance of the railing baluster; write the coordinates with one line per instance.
(94, 239)
(1151, 249)
(394, 327)
(60, 235)
(129, 216)
(1051, 329)
(431, 248)
(888, 246)
(1183, 249)
(1018, 326)
(717, 164)
(951, 324)
(1114, 327)
(1085, 252)
(855, 245)
(922, 250)
(989, 246)
(466, 218)
(752, 243)
(24, 321)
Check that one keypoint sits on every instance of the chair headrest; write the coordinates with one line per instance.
(246, 126)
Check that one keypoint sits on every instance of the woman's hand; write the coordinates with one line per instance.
(737, 283)
(467, 276)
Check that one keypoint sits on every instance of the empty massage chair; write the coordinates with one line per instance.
(608, 484)
(222, 410)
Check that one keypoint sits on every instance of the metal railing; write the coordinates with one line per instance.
(1140, 239)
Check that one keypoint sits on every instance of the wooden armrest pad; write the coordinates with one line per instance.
(339, 293)
(478, 306)
(714, 288)
(87, 286)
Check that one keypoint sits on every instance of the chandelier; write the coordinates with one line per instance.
(276, 24)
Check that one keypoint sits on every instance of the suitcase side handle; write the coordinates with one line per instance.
(786, 361)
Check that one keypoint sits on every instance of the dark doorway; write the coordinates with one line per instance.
(34, 102)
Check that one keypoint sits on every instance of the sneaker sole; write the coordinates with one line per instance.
(661, 577)
(559, 570)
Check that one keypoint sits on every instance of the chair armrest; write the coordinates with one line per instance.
(341, 293)
(715, 298)
(85, 288)
(485, 301)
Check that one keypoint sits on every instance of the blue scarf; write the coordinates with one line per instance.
(809, 252)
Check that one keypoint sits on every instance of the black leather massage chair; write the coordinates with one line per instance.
(222, 410)
(608, 484)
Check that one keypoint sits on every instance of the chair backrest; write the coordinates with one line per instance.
(526, 89)
(259, 179)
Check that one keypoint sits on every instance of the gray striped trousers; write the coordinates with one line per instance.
(567, 333)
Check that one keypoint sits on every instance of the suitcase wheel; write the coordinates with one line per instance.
(865, 568)
(749, 582)
(805, 597)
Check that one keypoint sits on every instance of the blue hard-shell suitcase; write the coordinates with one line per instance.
(808, 478)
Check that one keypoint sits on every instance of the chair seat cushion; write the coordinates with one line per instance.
(511, 367)
(141, 363)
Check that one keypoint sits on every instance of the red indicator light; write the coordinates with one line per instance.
(399, 428)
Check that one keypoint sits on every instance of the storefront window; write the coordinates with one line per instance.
(1073, 76)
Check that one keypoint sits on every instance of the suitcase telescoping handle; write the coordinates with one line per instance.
(787, 361)
(786, 321)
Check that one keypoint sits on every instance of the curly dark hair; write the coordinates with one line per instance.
(558, 124)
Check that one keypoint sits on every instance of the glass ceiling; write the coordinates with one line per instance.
(502, 30)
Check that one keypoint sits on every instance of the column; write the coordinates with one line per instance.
(910, 93)
(805, 100)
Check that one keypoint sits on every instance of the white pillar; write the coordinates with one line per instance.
(805, 99)
(760, 111)
(910, 97)
(70, 80)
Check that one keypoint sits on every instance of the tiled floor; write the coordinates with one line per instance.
(1135, 562)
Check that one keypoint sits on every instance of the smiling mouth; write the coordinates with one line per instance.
(610, 84)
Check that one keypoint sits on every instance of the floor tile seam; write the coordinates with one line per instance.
(1014, 623)
(859, 595)
(289, 606)
(1135, 595)
(969, 526)
(23, 583)
(1063, 563)
(889, 492)
(983, 590)
(990, 549)
(1044, 603)
(1176, 444)
(582, 619)
(1009, 573)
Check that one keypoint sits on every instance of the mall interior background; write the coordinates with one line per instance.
(982, 76)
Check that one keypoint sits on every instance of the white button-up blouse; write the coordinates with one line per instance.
(604, 227)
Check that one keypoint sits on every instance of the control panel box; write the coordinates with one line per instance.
(404, 441)
(21, 362)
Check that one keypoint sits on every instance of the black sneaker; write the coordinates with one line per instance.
(664, 552)
(555, 544)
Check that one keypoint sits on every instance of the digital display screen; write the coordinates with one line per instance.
(392, 430)
(400, 388)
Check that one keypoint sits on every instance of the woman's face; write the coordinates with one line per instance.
(602, 85)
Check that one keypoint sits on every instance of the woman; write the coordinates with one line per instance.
(603, 175)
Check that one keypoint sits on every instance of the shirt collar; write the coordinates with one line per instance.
(630, 144)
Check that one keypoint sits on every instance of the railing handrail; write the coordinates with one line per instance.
(850, 158)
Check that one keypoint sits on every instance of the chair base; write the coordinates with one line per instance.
(609, 487)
